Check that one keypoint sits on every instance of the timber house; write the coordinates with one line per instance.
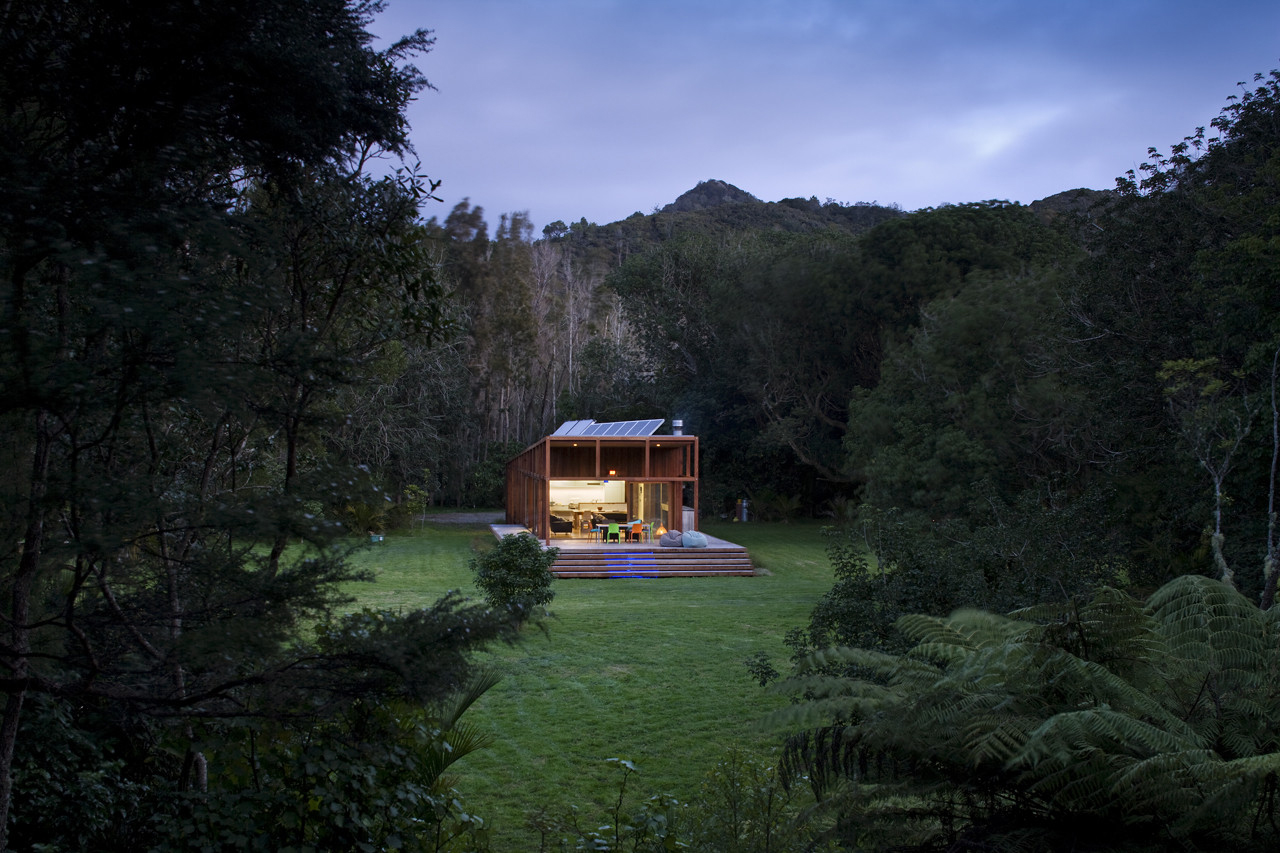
(604, 493)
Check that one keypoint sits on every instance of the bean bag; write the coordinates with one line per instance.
(671, 539)
(694, 539)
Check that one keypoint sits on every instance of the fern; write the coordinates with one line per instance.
(1059, 723)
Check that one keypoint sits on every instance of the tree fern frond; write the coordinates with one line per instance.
(921, 628)
(1203, 619)
(822, 711)
(942, 654)
(828, 686)
(1255, 767)
(845, 656)
(1098, 728)
(1232, 787)
(988, 627)
(992, 739)
(1170, 786)
(1040, 614)
(1240, 735)
(964, 628)
(1116, 626)
(1076, 781)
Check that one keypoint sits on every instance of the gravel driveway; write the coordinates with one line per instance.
(490, 517)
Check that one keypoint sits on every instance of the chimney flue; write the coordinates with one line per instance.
(677, 427)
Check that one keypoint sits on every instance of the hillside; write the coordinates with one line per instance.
(716, 208)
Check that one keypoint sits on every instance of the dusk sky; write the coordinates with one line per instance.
(601, 108)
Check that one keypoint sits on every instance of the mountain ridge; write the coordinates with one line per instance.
(715, 192)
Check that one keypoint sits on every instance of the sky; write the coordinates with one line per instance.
(597, 109)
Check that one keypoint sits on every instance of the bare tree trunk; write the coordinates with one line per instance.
(20, 616)
(1225, 574)
(1269, 573)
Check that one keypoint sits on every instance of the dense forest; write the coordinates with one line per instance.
(226, 344)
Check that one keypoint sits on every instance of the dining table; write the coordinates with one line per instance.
(601, 531)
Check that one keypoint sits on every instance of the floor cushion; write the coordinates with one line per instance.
(671, 539)
(694, 539)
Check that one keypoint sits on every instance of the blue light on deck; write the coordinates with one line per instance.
(633, 564)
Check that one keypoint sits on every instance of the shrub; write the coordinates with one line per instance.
(362, 518)
(516, 575)
(744, 807)
(654, 827)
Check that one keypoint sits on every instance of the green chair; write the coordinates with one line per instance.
(612, 535)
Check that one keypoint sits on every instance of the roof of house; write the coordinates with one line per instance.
(616, 428)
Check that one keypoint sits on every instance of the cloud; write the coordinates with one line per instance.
(598, 108)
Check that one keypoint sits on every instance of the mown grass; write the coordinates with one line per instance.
(648, 670)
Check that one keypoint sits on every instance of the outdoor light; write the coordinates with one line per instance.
(612, 472)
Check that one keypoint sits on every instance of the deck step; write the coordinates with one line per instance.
(663, 562)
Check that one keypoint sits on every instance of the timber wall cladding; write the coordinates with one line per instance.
(627, 462)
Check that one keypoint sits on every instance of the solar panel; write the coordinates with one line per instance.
(644, 427)
(613, 429)
(573, 427)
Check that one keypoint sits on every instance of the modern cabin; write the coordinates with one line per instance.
(587, 476)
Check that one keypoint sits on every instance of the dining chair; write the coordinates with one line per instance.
(636, 529)
(613, 533)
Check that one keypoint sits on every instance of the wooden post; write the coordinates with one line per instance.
(546, 492)
(696, 481)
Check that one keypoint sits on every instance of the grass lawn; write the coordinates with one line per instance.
(648, 670)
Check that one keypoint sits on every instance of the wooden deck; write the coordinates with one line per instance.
(583, 558)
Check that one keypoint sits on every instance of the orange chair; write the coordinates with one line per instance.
(636, 534)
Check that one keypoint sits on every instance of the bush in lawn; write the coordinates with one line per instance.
(516, 575)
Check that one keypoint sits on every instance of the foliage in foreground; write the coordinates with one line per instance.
(742, 806)
(353, 754)
(1110, 726)
(202, 274)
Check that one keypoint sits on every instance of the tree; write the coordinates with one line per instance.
(1180, 271)
(1044, 546)
(1214, 424)
(776, 332)
(976, 391)
(192, 268)
(1107, 726)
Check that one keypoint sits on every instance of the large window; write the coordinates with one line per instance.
(583, 503)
